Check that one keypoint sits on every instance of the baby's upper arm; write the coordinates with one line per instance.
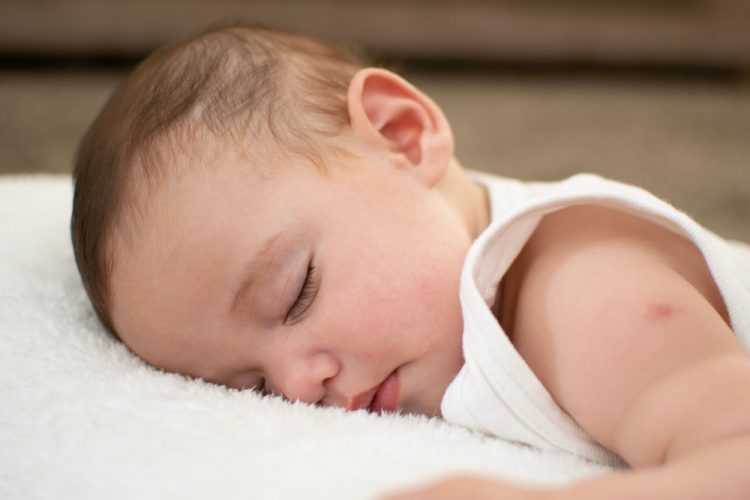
(619, 321)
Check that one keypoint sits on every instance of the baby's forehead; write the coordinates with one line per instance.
(171, 163)
(173, 186)
(200, 223)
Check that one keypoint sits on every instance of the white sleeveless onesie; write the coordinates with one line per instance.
(495, 391)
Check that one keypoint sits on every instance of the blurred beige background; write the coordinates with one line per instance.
(651, 92)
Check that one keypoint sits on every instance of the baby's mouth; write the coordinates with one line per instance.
(386, 396)
(382, 397)
(363, 400)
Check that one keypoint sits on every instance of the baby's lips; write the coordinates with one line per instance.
(387, 396)
(362, 400)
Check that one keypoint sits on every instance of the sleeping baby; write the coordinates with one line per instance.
(266, 211)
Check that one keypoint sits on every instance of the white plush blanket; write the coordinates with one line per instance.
(81, 417)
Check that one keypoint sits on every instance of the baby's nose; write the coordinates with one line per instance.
(308, 378)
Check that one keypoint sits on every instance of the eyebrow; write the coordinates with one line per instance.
(256, 265)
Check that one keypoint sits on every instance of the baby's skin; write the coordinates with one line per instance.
(341, 289)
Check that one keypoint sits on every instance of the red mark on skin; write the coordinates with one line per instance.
(659, 311)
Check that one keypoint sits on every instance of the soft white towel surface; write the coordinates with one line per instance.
(81, 417)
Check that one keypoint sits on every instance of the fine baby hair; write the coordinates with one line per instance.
(247, 87)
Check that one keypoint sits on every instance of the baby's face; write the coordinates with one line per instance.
(338, 290)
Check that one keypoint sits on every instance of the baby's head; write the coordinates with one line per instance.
(258, 209)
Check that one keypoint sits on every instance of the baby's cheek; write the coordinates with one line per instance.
(438, 287)
(355, 306)
(436, 298)
(432, 294)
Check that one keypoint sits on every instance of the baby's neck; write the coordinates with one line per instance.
(467, 198)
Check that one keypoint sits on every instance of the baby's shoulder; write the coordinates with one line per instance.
(586, 245)
(601, 304)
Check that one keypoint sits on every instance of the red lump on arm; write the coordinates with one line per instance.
(660, 311)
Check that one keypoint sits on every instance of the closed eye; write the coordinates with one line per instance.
(305, 297)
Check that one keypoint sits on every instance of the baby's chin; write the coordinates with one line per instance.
(430, 404)
(431, 411)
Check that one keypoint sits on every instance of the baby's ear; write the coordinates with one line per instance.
(387, 112)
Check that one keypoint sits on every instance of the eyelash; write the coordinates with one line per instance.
(305, 296)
